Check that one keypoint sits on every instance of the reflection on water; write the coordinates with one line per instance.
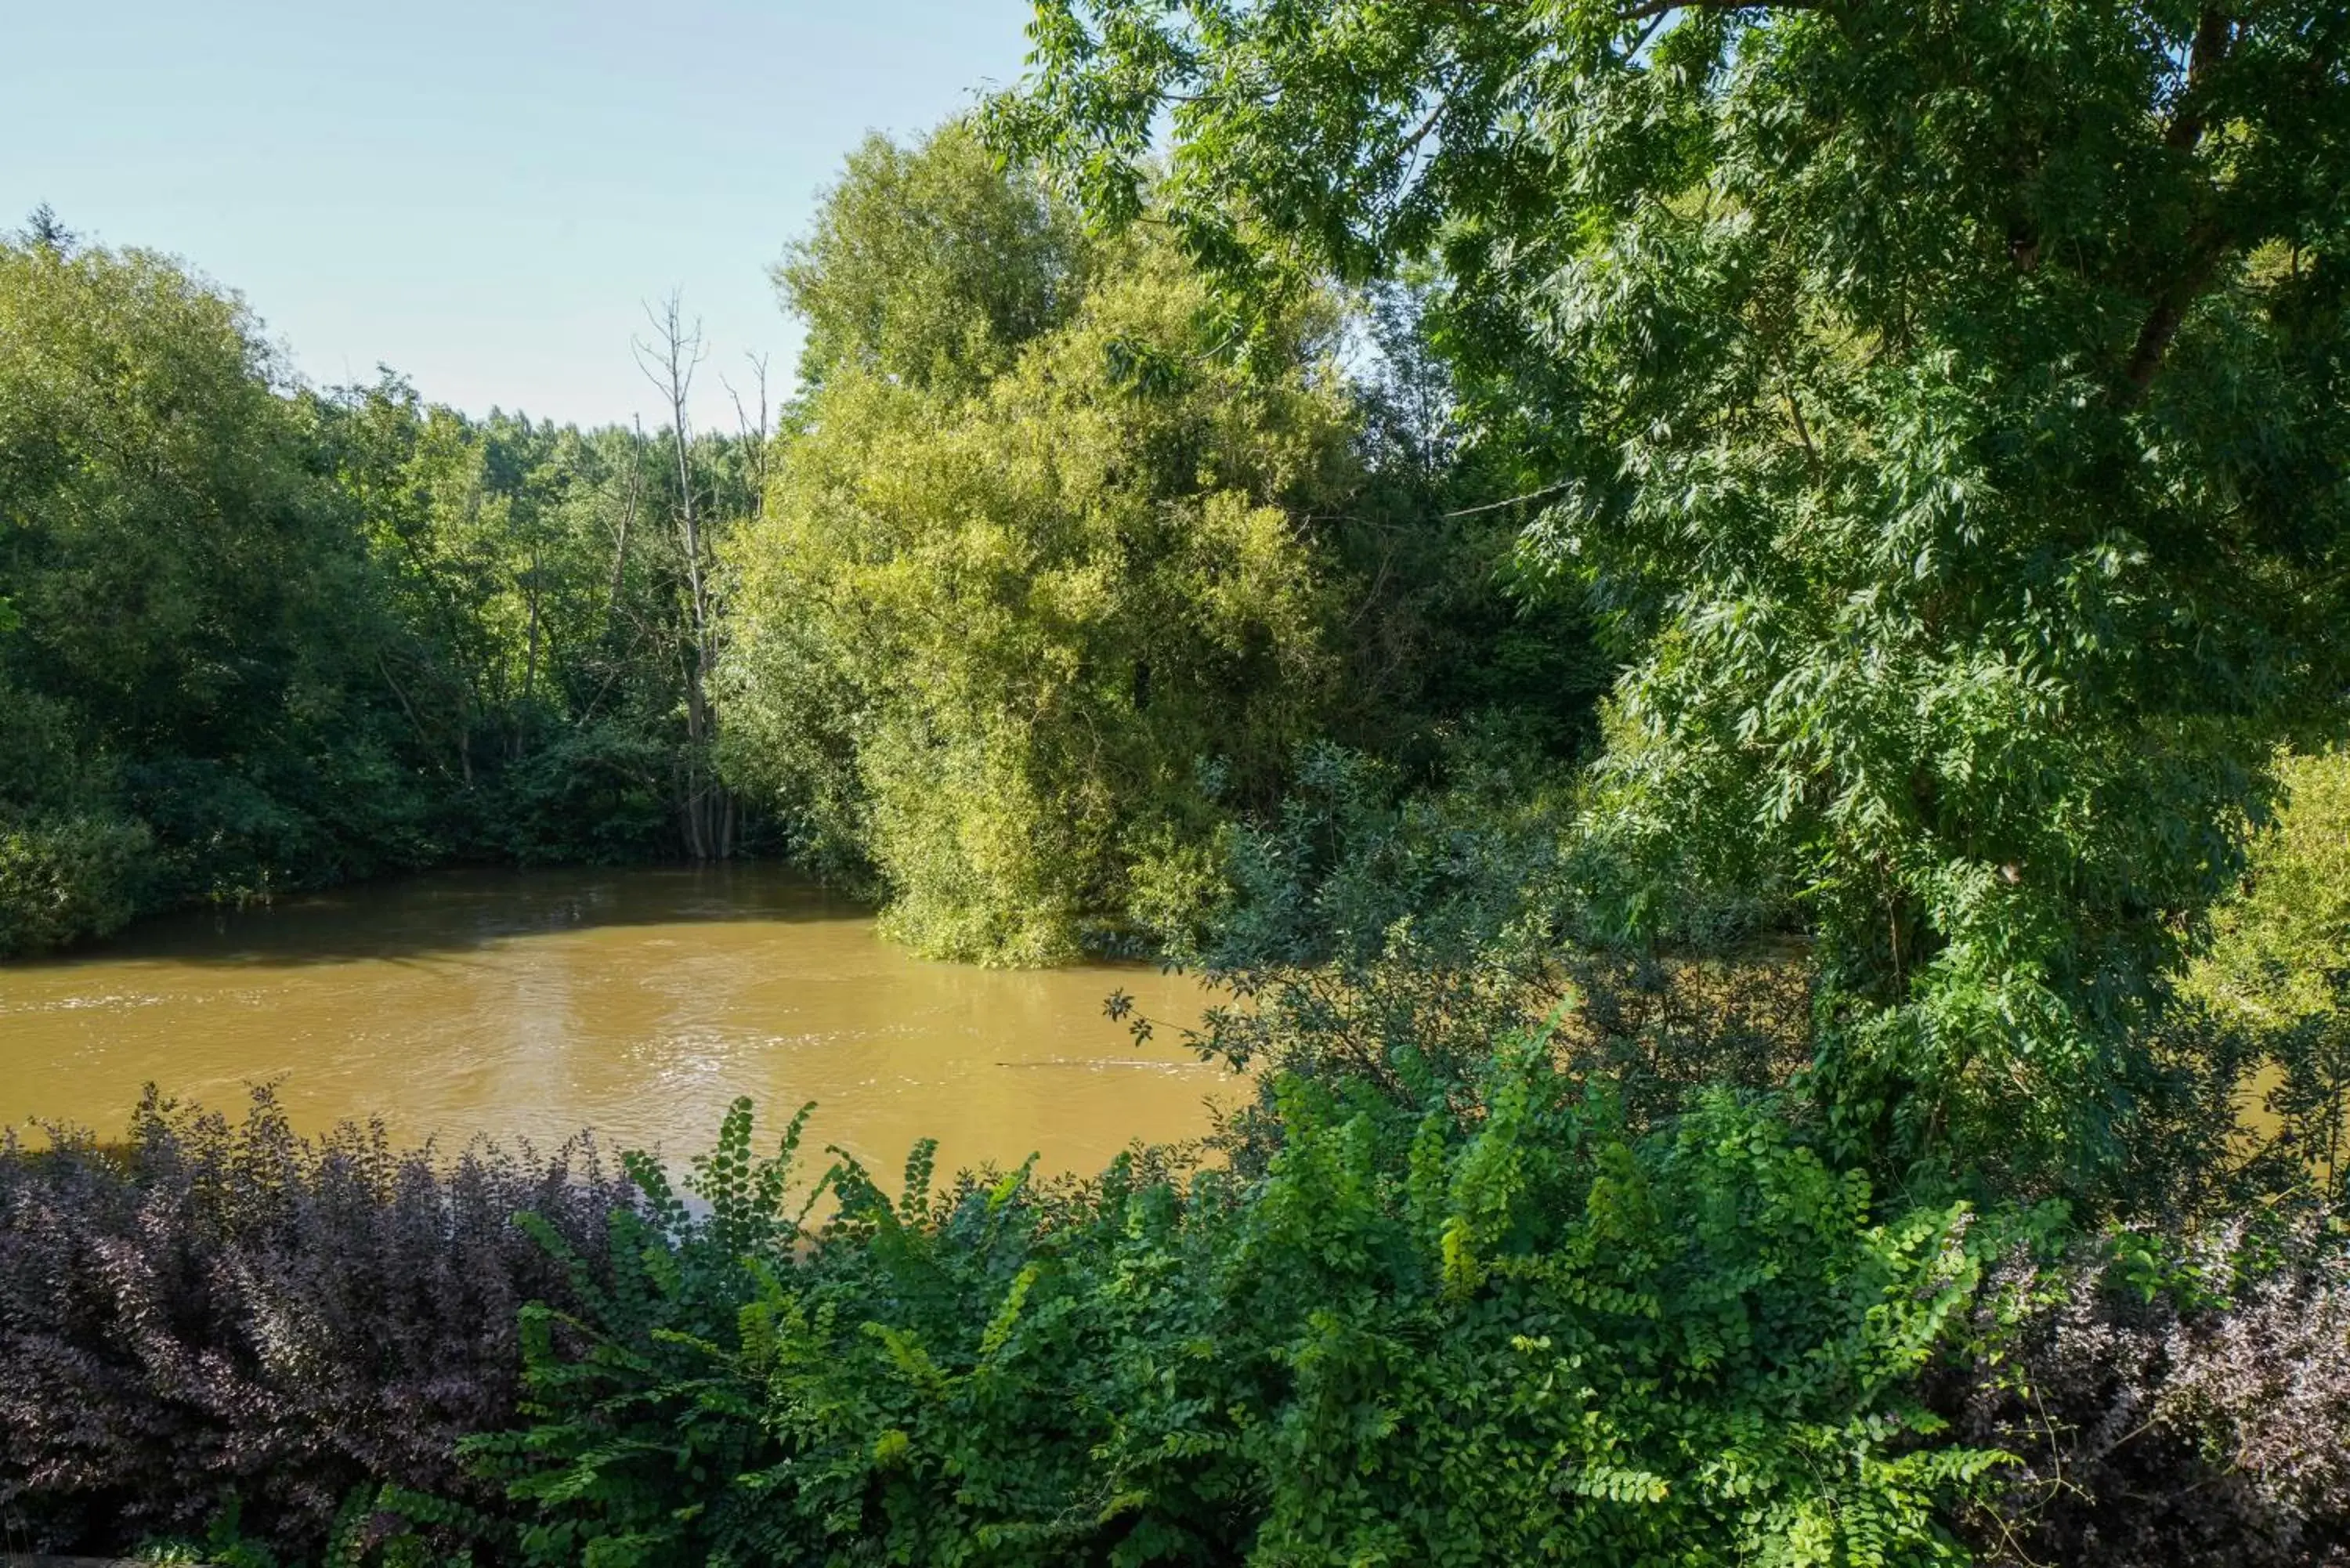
(638, 1003)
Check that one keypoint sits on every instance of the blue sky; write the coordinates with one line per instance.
(481, 195)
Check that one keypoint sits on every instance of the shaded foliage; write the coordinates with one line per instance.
(2168, 1403)
(213, 1314)
(536, 578)
(1384, 934)
(1407, 1341)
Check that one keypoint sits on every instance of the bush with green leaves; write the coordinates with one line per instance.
(2242, 1099)
(2280, 949)
(1532, 1336)
(62, 878)
(1384, 931)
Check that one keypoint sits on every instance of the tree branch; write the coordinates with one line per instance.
(2162, 322)
(1419, 133)
(1512, 500)
(1648, 8)
(2215, 34)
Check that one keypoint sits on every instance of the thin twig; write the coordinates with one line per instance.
(1512, 500)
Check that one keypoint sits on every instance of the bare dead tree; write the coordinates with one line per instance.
(668, 360)
(757, 433)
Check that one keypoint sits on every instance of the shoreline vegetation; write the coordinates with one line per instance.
(1461, 524)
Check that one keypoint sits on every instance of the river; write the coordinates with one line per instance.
(635, 1003)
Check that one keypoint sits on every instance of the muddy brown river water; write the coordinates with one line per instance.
(637, 1003)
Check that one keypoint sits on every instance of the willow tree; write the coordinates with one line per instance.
(1030, 605)
(1944, 403)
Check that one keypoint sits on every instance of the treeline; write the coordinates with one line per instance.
(1036, 590)
(258, 636)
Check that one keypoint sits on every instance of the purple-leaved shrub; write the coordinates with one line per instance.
(2189, 1413)
(213, 1309)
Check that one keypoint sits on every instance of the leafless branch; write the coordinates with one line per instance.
(669, 362)
(756, 431)
(1512, 500)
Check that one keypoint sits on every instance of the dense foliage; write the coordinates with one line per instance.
(1504, 1329)
(2270, 997)
(1942, 405)
(1704, 1336)
(254, 636)
(177, 669)
(2179, 1406)
(215, 1317)
(538, 579)
(1461, 1289)
(1049, 589)
(1871, 1090)
(1036, 593)
(1023, 622)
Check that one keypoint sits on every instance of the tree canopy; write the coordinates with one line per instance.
(1008, 640)
(928, 266)
(187, 608)
(255, 635)
(1942, 406)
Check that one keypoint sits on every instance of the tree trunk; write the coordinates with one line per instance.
(706, 814)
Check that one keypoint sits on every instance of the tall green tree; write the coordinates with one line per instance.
(1016, 643)
(193, 618)
(1944, 404)
(928, 267)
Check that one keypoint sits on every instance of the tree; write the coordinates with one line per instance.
(1945, 405)
(928, 266)
(190, 708)
(43, 229)
(669, 362)
(544, 650)
(1019, 645)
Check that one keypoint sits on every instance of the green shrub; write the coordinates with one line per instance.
(1534, 1337)
(67, 877)
(1383, 933)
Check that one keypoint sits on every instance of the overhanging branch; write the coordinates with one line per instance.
(1641, 13)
